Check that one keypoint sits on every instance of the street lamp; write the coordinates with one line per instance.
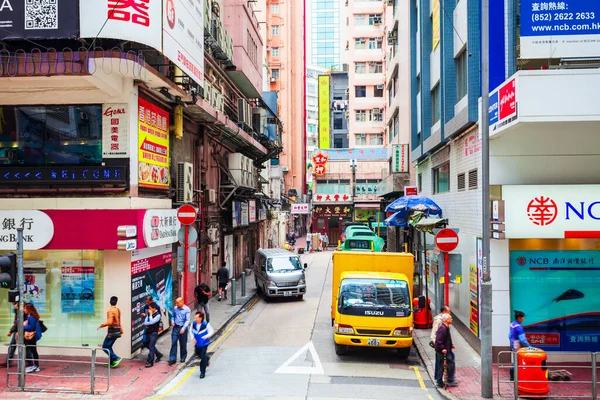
(353, 166)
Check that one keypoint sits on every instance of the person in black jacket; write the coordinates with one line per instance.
(444, 350)
(152, 323)
(223, 280)
(12, 347)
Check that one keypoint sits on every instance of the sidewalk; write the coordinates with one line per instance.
(468, 372)
(131, 380)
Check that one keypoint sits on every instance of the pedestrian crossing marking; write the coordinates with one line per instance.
(317, 369)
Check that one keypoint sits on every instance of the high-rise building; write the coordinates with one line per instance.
(323, 33)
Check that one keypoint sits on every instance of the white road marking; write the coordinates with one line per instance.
(317, 369)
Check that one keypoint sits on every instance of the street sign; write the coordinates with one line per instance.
(186, 214)
(446, 240)
(192, 235)
(191, 259)
(127, 244)
(127, 231)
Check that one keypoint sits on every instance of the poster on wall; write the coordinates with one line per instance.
(77, 292)
(251, 211)
(153, 146)
(115, 131)
(228, 254)
(151, 275)
(244, 214)
(474, 299)
(35, 284)
(558, 292)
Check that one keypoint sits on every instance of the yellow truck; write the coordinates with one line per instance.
(371, 300)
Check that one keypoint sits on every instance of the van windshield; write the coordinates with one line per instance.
(283, 264)
(378, 293)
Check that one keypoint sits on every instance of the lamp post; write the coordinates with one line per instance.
(353, 167)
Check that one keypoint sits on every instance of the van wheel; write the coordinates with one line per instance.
(301, 297)
(258, 288)
(341, 349)
(404, 352)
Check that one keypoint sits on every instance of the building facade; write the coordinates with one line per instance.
(323, 33)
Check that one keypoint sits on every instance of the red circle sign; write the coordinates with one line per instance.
(446, 240)
(186, 214)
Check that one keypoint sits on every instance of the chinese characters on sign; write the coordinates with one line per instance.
(153, 146)
(115, 131)
(320, 162)
(340, 211)
(251, 211)
(503, 109)
(38, 229)
(472, 144)
(300, 208)
(332, 197)
(134, 11)
(160, 227)
(400, 158)
(324, 109)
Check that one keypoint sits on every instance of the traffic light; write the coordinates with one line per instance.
(8, 271)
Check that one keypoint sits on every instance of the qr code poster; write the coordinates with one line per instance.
(39, 19)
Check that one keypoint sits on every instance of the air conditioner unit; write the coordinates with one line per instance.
(379, 86)
(212, 196)
(242, 110)
(285, 168)
(185, 183)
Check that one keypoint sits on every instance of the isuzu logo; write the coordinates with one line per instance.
(373, 312)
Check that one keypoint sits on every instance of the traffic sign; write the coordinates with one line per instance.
(191, 237)
(186, 214)
(446, 240)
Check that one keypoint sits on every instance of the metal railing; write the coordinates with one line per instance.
(561, 387)
(89, 377)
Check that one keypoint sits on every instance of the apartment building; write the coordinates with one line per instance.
(323, 33)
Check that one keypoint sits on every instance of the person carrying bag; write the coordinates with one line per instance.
(114, 331)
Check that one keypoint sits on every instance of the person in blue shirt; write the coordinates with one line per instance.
(180, 324)
(152, 323)
(516, 336)
(31, 324)
(201, 332)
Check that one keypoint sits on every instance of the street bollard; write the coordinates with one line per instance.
(233, 292)
(243, 284)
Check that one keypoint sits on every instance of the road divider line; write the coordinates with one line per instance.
(419, 378)
(174, 388)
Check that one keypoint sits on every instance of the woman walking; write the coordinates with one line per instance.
(32, 332)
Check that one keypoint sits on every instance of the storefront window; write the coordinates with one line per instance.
(51, 135)
(67, 288)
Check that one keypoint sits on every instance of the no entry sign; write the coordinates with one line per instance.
(186, 214)
(446, 240)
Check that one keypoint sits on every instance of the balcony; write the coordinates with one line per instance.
(393, 184)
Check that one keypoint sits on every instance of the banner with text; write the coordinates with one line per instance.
(153, 146)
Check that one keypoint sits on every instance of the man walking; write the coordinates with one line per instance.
(180, 324)
(517, 338)
(444, 350)
(223, 279)
(12, 347)
(114, 331)
(152, 322)
(201, 333)
(202, 293)
(325, 241)
(149, 300)
(437, 321)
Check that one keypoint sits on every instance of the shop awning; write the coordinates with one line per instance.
(374, 205)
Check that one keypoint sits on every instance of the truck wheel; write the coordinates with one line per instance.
(404, 352)
(340, 349)
(301, 297)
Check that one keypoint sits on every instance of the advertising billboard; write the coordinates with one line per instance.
(563, 29)
(324, 116)
(503, 107)
(153, 146)
(54, 19)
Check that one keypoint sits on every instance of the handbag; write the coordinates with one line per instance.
(29, 335)
(113, 333)
(42, 326)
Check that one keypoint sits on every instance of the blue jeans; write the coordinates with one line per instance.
(182, 338)
(439, 367)
(107, 346)
(153, 351)
(201, 353)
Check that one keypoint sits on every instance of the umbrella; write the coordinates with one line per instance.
(415, 203)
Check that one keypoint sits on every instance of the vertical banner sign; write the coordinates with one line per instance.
(474, 299)
(251, 211)
(151, 275)
(324, 123)
(153, 146)
(244, 208)
(400, 158)
(435, 22)
(77, 292)
(35, 284)
(115, 131)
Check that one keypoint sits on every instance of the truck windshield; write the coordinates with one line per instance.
(378, 293)
(283, 264)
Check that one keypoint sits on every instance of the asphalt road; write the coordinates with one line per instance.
(284, 349)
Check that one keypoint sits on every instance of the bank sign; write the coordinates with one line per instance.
(558, 29)
(503, 106)
(552, 211)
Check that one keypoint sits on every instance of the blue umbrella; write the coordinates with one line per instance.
(397, 219)
(415, 203)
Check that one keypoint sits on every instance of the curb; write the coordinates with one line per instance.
(218, 333)
(430, 369)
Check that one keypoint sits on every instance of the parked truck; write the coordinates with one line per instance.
(371, 300)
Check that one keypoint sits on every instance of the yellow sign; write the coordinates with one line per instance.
(153, 146)
(435, 22)
(324, 123)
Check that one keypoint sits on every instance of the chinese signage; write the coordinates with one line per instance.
(320, 163)
(160, 227)
(262, 213)
(63, 175)
(115, 131)
(77, 291)
(183, 36)
(559, 29)
(503, 106)
(472, 144)
(153, 146)
(251, 211)
(150, 276)
(400, 157)
(332, 197)
(558, 291)
(474, 299)
(132, 20)
(374, 154)
(341, 211)
(244, 208)
(411, 190)
(239, 214)
(324, 123)
(300, 208)
(55, 19)
(38, 229)
(552, 211)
